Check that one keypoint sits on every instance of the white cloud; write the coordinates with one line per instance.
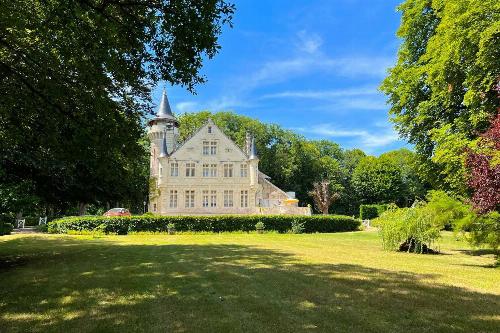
(308, 42)
(362, 98)
(360, 138)
(183, 107)
(324, 94)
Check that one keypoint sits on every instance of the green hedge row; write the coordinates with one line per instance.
(5, 228)
(216, 223)
(369, 212)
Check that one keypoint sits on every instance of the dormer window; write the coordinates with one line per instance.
(209, 129)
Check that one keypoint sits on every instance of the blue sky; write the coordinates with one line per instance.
(310, 66)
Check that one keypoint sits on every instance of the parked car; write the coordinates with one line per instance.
(117, 212)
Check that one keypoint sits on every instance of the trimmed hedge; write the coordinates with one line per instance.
(215, 223)
(369, 212)
(5, 228)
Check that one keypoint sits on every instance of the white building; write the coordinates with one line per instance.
(209, 173)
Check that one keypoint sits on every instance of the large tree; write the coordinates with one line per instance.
(75, 80)
(443, 90)
(378, 180)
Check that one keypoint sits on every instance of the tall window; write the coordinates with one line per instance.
(244, 170)
(174, 169)
(206, 170)
(209, 129)
(204, 201)
(160, 170)
(228, 198)
(228, 170)
(213, 170)
(213, 147)
(206, 147)
(213, 198)
(190, 167)
(173, 199)
(244, 199)
(189, 199)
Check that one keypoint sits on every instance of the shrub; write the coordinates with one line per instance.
(212, 223)
(259, 226)
(297, 227)
(369, 212)
(5, 228)
(415, 229)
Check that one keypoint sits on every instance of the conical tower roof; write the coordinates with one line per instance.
(163, 147)
(253, 150)
(164, 110)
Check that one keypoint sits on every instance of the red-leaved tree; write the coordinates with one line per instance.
(484, 166)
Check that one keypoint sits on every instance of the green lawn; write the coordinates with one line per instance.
(243, 283)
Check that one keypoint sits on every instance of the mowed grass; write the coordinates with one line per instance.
(339, 282)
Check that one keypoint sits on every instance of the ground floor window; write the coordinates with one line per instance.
(228, 198)
(244, 198)
(173, 199)
(189, 199)
(213, 198)
(204, 201)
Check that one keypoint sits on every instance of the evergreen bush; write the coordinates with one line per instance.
(369, 212)
(211, 223)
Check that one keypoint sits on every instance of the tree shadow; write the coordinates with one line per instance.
(77, 285)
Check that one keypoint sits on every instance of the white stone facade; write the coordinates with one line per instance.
(208, 174)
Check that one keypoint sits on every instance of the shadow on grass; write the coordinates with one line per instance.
(68, 285)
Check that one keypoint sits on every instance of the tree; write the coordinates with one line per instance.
(444, 85)
(75, 80)
(484, 166)
(323, 195)
(378, 180)
(414, 186)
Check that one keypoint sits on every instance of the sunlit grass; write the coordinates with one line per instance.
(339, 282)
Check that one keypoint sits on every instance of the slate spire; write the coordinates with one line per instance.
(253, 150)
(163, 147)
(164, 110)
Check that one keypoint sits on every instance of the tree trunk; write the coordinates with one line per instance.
(82, 208)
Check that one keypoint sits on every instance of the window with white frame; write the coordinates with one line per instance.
(206, 147)
(228, 198)
(189, 199)
(213, 147)
(209, 129)
(244, 170)
(213, 170)
(244, 198)
(173, 199)
(190, 169)
(206, 170)
(204, 201)
(174, 169)
(213, 198)
(228, 170)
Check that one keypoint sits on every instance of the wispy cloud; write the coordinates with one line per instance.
(324, 94)
(369, 141)
(362, 98)
(308, 42)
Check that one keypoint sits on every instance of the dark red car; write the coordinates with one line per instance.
(117, 212)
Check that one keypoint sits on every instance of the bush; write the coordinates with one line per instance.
(5, 228)
(259, 226)
(213, 223)
(369, 212)
(297, 227)
(413, 229)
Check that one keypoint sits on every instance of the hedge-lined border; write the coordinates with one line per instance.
(209, 223)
